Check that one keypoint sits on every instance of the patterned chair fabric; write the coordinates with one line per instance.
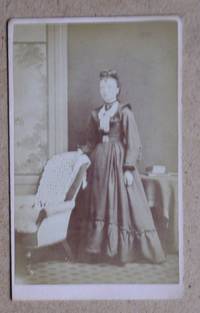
(61, 179)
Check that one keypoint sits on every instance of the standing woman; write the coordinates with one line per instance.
(117, 223)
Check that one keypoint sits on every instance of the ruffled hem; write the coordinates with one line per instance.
(126, 245)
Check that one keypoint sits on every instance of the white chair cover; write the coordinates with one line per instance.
(57, 178)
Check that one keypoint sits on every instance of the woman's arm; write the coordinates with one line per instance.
(132, 140)
(91, 135)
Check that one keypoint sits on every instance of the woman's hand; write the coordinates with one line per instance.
(80, 151)
(128, 178)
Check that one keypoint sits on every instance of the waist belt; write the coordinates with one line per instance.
(107, 138)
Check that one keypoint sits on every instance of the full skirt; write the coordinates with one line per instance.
(115, 221)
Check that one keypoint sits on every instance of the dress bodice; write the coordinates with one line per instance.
(115, 133)
(123, 130)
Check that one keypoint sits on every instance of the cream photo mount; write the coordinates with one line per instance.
(90, 291)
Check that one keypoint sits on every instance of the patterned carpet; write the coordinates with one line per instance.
(57, 272)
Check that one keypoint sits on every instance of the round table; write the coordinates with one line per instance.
(162, 195)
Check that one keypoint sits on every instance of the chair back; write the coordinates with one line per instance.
(61, 178)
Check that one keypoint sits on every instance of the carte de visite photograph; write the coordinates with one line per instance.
(95, 157)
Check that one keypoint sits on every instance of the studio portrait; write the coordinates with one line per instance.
(95, 153)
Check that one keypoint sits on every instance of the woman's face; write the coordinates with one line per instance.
(108, 89)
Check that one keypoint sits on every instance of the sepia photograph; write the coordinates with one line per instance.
(95, 158)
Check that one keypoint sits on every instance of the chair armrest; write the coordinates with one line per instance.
(60, 207)
(26, 200)
(53, 229)
(42, 215)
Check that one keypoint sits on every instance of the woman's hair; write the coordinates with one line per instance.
(110, 74)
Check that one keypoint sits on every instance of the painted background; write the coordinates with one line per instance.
(30, 94)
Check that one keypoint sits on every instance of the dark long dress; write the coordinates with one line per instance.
(116, 221)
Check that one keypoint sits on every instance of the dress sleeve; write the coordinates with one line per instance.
(133, 147)
(91, 135)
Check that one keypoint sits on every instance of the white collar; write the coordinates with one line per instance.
(110, 112)
(105, 116)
